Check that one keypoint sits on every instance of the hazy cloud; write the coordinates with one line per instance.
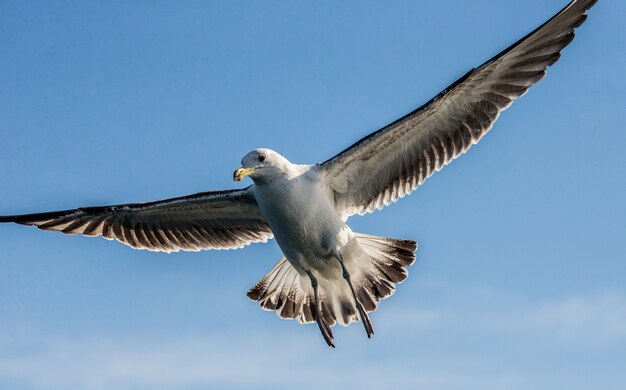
(594, 319)
(238, 359)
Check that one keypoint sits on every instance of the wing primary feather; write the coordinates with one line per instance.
(209, 220)
(444, 128)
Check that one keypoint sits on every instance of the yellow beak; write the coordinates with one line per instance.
(241, 173)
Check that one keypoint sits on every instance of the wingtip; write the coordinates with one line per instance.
(592, 3)
(13, 218)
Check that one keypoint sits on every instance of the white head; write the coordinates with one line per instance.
(262, 164)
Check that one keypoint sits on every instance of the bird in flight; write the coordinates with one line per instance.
(329, 273)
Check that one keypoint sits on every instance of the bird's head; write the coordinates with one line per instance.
(261, 164)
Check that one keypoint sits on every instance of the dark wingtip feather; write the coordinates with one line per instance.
(580, 21)
(31, 218)
(254, 293)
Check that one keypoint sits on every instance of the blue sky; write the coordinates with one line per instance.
(519, 281)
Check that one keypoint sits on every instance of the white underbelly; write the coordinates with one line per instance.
(304, 221)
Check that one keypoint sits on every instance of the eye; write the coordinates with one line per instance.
(261, 157)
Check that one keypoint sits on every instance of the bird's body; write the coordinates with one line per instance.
(329, 273)
(305, 223)
(300, 208)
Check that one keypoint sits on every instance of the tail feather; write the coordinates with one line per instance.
(279, 290)
(388, 259)
(376, 265)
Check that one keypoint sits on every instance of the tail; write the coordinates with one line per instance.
(376, 265)
(375, 275)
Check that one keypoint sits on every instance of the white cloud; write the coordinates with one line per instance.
(595, 319)
(211, 362)
(93, 364)
(239, 359)
(590, 320)
(214, 363)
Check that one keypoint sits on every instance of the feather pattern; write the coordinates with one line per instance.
(393, 161)
(290, 294)
(209, 220)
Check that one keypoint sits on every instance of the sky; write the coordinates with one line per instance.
(519, 279)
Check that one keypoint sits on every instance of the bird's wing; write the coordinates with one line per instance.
(393, 161)
(209, 220)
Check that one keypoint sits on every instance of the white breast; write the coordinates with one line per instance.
(302, 216)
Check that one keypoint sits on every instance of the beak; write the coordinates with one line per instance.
(241, 173)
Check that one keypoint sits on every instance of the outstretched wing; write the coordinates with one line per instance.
(392, 162)
(208, 220)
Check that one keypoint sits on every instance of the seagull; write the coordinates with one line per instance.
(330, 274)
